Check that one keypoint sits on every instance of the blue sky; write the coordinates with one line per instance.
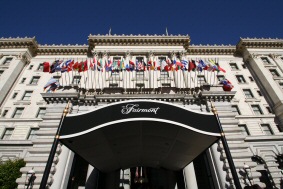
(206, 21)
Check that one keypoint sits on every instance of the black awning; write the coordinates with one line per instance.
(139, 133)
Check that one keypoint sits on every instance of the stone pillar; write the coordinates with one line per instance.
(61, 177)
(190, 177)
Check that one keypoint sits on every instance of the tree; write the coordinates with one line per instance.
(9, 172)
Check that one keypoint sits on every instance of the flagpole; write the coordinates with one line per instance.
(53, 150)
(226, 149)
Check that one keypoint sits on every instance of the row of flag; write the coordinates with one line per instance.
(137, 65)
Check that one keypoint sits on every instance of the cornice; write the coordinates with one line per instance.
(211, 50)
(139, 40)
(62, 49)
(12, 43)
(265, 43)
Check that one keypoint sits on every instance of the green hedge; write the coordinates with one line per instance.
(9, 172)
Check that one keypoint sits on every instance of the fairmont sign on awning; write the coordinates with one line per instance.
(139, 132)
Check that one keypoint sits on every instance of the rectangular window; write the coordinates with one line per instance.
(251, 78)
(18, 112)
(4, 113)
(139, 59)
(40, 67)
(268, 109)
(8, 61)
(240, 79)
(27, 95)
(265, 60)
(30, 67)
(259, 93)
(8, 133)
(266, 129)
(248, 93)
(220, 77)
(76, 80)
(201, 79)
(1, 72)
(234, 66)
(34, 80)
(41, 112)
(162, 58)
(244, 129)
(14, 95)
(32, 134)
(274, 73)
(256, 110)
(235, 109)
(244, 66)
(23, 80)
(57, 77)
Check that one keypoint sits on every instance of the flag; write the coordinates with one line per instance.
(227, 85)
(163, 64)
(53, 66)
(157, 64)
(184, 64)
(82, 66)
(70, 66)
(53, 84)
(192, 66)
(92, 65)
(201, 65)
(76, 66)
(46, 67)
(108, 65)
(64, 66)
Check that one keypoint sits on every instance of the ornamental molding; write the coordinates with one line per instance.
(62, 49)
(139, 40)
(211, 50)
(265, 43)
(19, 43)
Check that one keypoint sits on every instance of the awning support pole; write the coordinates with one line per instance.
(53, 150)
(227, 151)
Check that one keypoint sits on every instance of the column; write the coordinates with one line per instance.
(190, 177)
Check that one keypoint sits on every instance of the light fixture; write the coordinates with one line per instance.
(247, 167)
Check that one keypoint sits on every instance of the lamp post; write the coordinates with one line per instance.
(30, 176)
(226, 149)
(246, 167)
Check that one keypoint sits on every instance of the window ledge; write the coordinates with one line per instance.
(255, 116)
(32, 84)
(261, 138)
(20, 119)
(16, 142)
(270, 66)
(22, 102)
(252, 100)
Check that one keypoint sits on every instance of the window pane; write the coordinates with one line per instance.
(256, 110)
(1, 72)
(266, 129)
(234, 66)
(8, 133)
(235, 109)
(18, 112)
(41, 112)
(244, 129)
(34, 80)
(27, 95)
(7, 61)
(76, 80)
(240, 79)
(248, 93)
(32, 134)
(23, 80)
(14, 95)
(220, 77)
(40, 67)
(265, 60)
(4, 113)
(274, 73)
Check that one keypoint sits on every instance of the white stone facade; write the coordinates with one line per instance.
(254, 67)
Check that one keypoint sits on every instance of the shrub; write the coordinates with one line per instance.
(9, 172)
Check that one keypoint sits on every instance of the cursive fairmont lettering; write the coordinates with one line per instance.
(135, 108)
